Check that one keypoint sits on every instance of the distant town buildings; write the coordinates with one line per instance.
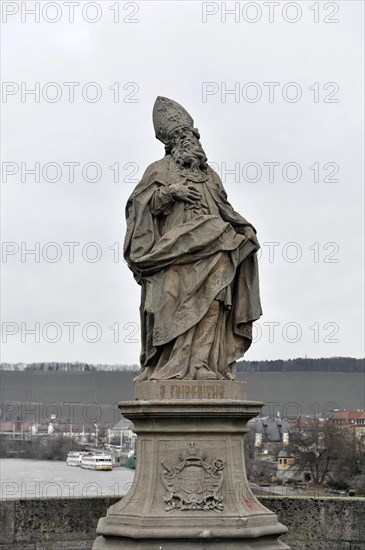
(354, 420)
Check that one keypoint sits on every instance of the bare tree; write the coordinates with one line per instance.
(331, 454)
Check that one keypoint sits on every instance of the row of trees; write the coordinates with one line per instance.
(41, 448)
(66, 367)
(331, 364)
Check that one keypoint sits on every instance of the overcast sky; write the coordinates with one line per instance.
(292, 131)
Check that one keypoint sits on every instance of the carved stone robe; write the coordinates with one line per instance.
(199, 277)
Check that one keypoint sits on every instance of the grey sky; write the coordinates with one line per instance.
(170, 51)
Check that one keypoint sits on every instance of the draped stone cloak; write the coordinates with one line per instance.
(183, 264)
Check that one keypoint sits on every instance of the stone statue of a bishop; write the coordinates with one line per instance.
(194, 257)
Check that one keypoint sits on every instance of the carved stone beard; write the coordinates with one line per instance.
(189, 153)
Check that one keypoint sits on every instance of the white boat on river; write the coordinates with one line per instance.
(74, 458)
(96, 461)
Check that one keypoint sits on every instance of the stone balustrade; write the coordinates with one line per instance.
(69, 523)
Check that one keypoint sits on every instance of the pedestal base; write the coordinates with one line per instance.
(190, 489)
(271, 543)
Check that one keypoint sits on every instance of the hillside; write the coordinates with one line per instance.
(92, 397)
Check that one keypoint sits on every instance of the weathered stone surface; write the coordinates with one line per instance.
(18, 546)
(70, 545)
(342, 528)
(165, 390)
(7, 518)
(54, 520)
(195, 259)
(321, 522)
(190, 484)
(270, 543)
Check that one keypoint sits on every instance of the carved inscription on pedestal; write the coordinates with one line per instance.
(192, 391)
(192, 483)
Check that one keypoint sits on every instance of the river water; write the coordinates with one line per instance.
(23, 478)
(26, 478)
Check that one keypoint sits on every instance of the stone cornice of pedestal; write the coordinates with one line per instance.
(218, 415)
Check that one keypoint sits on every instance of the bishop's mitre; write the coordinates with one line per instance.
(168, 116)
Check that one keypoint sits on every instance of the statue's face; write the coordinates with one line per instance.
(184, 137)
(186, 148)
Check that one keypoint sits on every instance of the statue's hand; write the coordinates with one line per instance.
(249, 233)
(186, 193)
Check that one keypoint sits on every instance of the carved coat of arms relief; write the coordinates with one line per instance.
(193, 483)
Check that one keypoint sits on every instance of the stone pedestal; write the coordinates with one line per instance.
(190, 489)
